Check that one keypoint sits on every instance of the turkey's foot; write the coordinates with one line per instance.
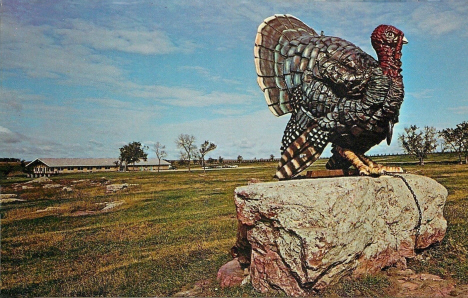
(378, 169)
(365, 165)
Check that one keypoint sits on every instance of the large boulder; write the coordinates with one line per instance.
(303, 235)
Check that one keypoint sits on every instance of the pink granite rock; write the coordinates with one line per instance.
(231, 274)
(303, 235)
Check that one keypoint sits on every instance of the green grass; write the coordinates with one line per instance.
(173, 230)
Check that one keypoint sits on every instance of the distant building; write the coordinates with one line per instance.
(52, 166)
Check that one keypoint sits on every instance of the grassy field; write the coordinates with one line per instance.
(167, 232)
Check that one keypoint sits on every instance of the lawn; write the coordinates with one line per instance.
(166, 232)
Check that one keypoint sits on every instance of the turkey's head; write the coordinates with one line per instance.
(388, 42)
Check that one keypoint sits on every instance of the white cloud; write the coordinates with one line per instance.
(229, 112)
(72, 53)
(9, 137)
(186, 97)
(9, 100)
(139, 40)
(422, 94)
(435, 20)
(208, 73)
(99, 133)
(106, 103)
(94, 144)
(14, 102)
(462, 110)
(254, 135)
(36, 51)
(70, 56)
(10, 142)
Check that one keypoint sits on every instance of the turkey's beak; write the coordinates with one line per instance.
(405, 41)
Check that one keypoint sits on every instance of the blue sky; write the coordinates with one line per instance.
(82, 78)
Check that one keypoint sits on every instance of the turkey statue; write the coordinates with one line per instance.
(335, 92)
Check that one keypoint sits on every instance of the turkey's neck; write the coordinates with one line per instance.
(389, 60)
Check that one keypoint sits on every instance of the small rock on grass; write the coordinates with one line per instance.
(116, 187)
(40, 180)
(50, 209)
(9, 198)
(8, 195)
(112, 205)
(52, 186)
(231, 274)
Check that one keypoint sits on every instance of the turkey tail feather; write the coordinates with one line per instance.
(302, 152)
(272, 44)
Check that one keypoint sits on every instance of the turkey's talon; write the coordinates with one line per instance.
(376, 171)
(364, 171)
(391, 170)
(364, 165)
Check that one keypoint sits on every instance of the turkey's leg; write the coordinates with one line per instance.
(337, 161)
(354, 160)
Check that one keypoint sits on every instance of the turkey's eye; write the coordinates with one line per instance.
(391, 37)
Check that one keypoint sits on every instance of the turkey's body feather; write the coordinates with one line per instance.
(327, 84)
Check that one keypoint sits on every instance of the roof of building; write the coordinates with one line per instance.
(94, 162)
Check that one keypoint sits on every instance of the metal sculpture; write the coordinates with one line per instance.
(335, 92)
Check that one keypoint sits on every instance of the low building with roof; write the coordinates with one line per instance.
(53, 166)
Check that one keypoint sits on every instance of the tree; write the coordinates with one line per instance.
(220, 159)
(240, 158)
(160, 151)
(456, 139)
(272, 157)
(188, 150)
(204, 149)
(418, 142)
(132, 153)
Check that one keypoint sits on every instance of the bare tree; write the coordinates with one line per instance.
(160, 151)
(205, 148)
(456, 139)
(188, 150)
(418, 142)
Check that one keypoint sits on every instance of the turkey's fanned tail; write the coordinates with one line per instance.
(272, 45)
(302, 152)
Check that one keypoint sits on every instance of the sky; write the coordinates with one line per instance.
(83, 78)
